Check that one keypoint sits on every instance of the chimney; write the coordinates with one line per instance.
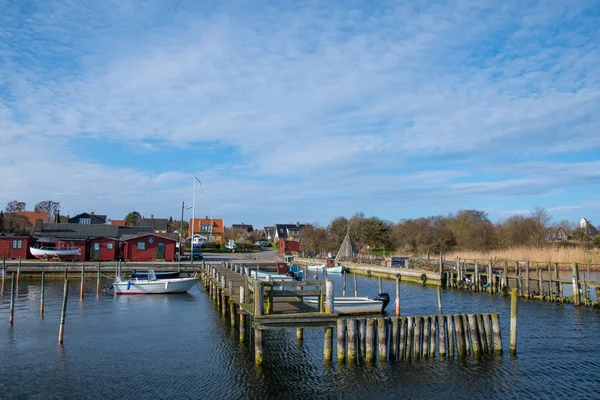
(92, 213)
(206, 217)
(297, 223)
(39, 223)
(152, 216)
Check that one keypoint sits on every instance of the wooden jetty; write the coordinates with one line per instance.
(255, 306)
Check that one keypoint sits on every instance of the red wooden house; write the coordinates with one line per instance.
(13, 246)
(103, 249)
(65, 244)
(149, 247)
(289, 247)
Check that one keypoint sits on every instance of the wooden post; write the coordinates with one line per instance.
(476, 275)
(460, 336)
(433, 337)
(505, 277)
(465, 322)
(426, 338)
(299, 335)
(3, 271)
(483, 329)
(344, 287)
(409, 337)
(382, 335)
(417, 339)
(13, 284)
(475, 334)
(380, 286)
(352, 340)
(369, 345)
(540, 283)
(98, 281)
(395, 321)
(402, 339)
(18, 271)
(42, 294)
(513, 322)
(341, 340)
(559, 285)
(442, 329)
(329, 302)
(81, 285)
(355, 286)
(258, 347)
(497, 334)
(489, 277)
(527, 292)
(576, 296)
(259, 299)
(451, 335)
(328, 344)
(242, 314)
(398, 296)
(439, 297)
(61, 330)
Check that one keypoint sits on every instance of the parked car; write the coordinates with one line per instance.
(262, 243)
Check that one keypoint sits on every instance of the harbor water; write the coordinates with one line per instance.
(179, 346)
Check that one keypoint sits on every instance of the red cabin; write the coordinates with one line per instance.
(103, 249)
(149, 247)
(69, 244)
(289, 247)
(15, 246)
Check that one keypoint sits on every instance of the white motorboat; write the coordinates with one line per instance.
(263, 276)
(354, 305)
(47, 253)
(338, 269)
(153, 285)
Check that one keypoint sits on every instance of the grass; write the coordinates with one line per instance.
(552, 254)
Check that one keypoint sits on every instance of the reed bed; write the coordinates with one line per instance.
(552, 254)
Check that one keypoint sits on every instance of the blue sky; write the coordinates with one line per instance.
(302, 111)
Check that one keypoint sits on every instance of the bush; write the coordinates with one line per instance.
(596, 240)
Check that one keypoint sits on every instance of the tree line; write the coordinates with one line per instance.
(464, 230)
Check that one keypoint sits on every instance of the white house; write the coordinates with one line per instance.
(198, 239)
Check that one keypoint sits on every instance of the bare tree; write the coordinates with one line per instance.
(15, 206)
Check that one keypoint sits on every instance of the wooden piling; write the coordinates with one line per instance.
(497, 333)
(328, 344)
(442, 341)
(344, 287)
(355, 286)
(42, 291)
(487, 329)
(475, 334)
(341, 340)
(82, 280)
(369, 342)
(382, 339)
(329, 302)
(3, 271)
(98, 281)
(13, 284)
(426, 340)
(466, 333)
(402, 339)
(394, 342)
(242, 314)
(259, 299)
(417, 339)
(439, 297)
(398, 296)
(433, 337)
(451, 335)
(460, 336)
(18, 271)
(576, 296)
(513, 321)
(380, 287)
(481, 320)
(299, 335)
(352, 336)
(258, 347)
(527, 292)
(61, 330)
(490, 283)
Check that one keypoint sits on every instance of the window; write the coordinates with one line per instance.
(141, 245)
(85, 221)
(204, 228)
(17, 244)
(96, 246)
(109, 246)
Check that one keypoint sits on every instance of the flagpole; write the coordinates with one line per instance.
(193, 223)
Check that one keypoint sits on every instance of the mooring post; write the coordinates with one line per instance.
(242, 315)
(576, 296)
(465, 322)
(410, 336)
(11, 317)
(98, 281)
(527, 292)
(329, 302)
(483, 329)
(18, 271)
(352, 340)
(433, 337)
(439, 297)
(82, 278)
(497, 334)
(258, 346)
(451, 335)
(341, 340)
(476, 275)
(513, 321)
(402, 339)
(490, 282)
(369, 345)
(329, 307)
(355, 286)
(382, 338)
(3, 271)
(259, 298)
(473, 327)
(540, 283)
(442, 330)
(426, 333)
(299, 335)
(42, 294)
(397, 295)
(393, 351)
(344, 287)
(61, 330)
(460, 336)
(417, 339)
(380, 286)
(231, 303)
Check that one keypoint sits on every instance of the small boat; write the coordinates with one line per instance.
(153, 285)
(159, 275)
(46, 253)
(338, 269)
(355, 305)
(262, 276)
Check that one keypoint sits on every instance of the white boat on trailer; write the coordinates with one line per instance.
(338, 269)
(354, 305)
(51, 253)
(153, 285)
(263, 276)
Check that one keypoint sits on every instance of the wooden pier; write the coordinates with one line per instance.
(255, 306)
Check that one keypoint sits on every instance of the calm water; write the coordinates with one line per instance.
(178, 346)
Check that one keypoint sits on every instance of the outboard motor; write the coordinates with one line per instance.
(385, 298)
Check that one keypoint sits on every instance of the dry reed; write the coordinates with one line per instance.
(552, 254)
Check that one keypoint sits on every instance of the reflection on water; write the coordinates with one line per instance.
(178, 346)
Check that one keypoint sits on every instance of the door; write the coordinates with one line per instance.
(160, 251)
(96, 251)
